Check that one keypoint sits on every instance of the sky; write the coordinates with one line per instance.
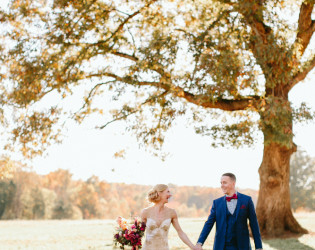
(86, 151)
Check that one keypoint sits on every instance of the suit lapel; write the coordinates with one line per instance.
(224, 208)
(238, 204)
(224, 205)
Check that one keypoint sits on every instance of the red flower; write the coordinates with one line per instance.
(130, 235)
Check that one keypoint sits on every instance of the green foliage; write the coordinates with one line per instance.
(34, 133)
(276, 122)
(154, 58)
(38, 208)
(7, 192)
(236, 134)
(302, 181)
(303, 114)
(62, 210)
(26, 205)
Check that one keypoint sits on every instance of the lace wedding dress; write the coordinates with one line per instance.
(156, 236)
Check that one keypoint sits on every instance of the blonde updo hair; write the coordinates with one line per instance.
(153, 195)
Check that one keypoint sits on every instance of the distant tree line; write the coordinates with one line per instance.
(27, 195)
(302, 181)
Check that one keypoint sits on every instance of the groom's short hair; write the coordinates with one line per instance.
(232, 176)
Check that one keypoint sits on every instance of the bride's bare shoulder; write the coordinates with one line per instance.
(146, 210)
(144, 214)
(172, 212)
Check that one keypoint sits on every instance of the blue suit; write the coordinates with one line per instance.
(244, 210)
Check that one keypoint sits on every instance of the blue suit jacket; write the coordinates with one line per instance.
(244, 210)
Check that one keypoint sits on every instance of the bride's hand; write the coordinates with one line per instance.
(197, 247)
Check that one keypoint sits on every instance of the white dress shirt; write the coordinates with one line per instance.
(231, 205)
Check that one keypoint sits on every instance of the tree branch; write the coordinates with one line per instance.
(306, 26)
(135, 110)
(117, 119)
(200, 100)
(227, 2)
(129, 80)
(224, 104)
(91, 93)
(120, 27)
(124, 55)
(300, 76)
(253, 14)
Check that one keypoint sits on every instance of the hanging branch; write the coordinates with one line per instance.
(300, 76)
(136, 109)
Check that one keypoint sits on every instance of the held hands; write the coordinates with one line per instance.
(198, 247)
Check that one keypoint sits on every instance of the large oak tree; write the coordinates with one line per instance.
(162, 59)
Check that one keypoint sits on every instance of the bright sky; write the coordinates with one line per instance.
(86, 151)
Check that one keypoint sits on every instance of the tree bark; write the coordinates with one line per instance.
(274, 212)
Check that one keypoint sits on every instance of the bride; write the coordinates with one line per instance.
(158, 219)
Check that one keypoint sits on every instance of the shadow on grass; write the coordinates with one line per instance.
(288, 244)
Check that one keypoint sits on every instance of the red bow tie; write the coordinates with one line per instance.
(234, 196)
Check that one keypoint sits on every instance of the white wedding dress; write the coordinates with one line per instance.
(156, 236)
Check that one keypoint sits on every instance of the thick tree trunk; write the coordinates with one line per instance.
(273, 207)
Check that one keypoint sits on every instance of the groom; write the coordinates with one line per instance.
(230, 213)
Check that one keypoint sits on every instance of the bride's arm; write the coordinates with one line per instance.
(180, 232)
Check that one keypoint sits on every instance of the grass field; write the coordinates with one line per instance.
(98, 234)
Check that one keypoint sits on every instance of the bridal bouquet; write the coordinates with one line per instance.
(129, 234)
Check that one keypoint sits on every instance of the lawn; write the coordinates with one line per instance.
(98, 234)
